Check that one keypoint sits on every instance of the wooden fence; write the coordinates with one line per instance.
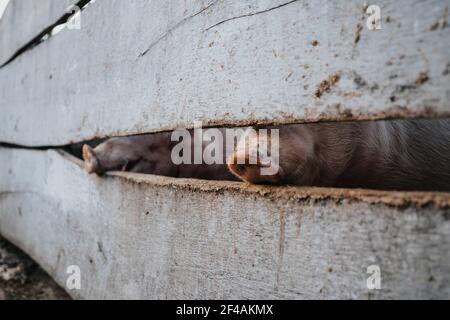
(146, 66)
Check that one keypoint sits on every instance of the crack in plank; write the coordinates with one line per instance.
(176, 26)
(37, 40)
(250, 14)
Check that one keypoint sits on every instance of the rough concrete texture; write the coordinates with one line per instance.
(25, 19)
(140, 236)
(229, 62)
(22, 278)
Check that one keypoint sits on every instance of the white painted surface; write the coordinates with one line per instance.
(136, 236)
(257, 64)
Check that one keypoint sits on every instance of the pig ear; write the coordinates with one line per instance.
(91, 164)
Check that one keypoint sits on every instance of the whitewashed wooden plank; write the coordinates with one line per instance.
(137, 236)
(25, 19)
(143, 66)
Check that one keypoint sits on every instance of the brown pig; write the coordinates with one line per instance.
(394, 154)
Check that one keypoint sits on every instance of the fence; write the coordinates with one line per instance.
(147, 66)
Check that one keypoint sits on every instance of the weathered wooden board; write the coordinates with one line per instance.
(143, 66)
(137, 236)
(25, 19)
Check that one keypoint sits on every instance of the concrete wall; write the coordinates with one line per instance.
(142, 66)
(25, 19)
(140, 236)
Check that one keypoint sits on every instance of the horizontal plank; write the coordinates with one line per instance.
(139, 236)
(144, 66)
(25, 19)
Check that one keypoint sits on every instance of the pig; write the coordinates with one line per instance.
(411, 154)
(150, 154)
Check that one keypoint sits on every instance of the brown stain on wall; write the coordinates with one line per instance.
(299, 213)
(326, 85)
(281, 245)
(359, 29)
(422, 78)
